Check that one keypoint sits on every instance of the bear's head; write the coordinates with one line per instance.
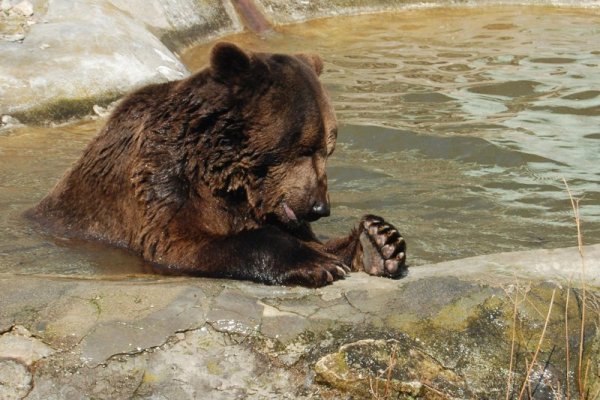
(284, 130)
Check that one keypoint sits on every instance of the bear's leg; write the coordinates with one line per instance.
(375, 247)
(267, 255)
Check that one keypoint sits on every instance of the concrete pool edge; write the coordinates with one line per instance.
(78, 57)
(121, 338)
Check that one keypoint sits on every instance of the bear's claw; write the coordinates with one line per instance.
(383, 248)
(322, 270)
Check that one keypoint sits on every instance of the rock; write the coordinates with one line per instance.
(15, 380)
(19, 345)
(100, 111)
(285, 12)
(182, 22)
(143, 330)
(95, 51)
(114, 61)
(8, 120)
(15, 37)
(24, 8)
(389, 369)
(221, 370)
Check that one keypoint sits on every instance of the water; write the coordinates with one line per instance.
(31, 161)
(458, 125)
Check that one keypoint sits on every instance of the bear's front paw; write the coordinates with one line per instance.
(321, 270)
(383, 248)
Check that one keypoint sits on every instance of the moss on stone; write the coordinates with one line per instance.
(213, 368)
(63, 110)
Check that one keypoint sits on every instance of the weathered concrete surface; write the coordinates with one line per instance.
(555, 265)
(446, 329)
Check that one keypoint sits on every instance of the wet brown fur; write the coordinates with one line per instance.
(194, 174)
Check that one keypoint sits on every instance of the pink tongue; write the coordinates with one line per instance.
(289, 212)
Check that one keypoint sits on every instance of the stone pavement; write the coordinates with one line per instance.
(446, 329)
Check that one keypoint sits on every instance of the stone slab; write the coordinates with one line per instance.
(147, 337)
(72, 55)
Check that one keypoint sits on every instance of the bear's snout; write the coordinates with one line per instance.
(320, 208)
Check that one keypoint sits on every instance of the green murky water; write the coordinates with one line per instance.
(458, 125)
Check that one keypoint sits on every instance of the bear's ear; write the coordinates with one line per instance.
(312, 60)
(228, 61)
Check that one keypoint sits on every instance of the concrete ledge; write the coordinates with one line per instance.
(286, 12)
(123, 337)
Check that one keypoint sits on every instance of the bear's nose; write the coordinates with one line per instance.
(321, 209)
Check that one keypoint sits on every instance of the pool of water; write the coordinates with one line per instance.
(458, 125)
(32, 159)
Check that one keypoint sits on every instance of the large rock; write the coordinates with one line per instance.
(70, 55)
(446, 331)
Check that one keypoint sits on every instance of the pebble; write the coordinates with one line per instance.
(99, 110)
(17, 37)
(9, 120)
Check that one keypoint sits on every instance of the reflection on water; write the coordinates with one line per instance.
(457, 124)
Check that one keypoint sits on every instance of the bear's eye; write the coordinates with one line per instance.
(308, 151)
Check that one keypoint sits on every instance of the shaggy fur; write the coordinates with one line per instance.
(219, 175)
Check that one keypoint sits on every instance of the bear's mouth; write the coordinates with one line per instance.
(289, 212)
(293, 218)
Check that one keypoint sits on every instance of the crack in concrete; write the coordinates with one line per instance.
(7, 330)
(345, 296)
(170, 339)
(420, 347)
(263, 303)
(187, 330)
(139, 385)
(84, 336)
(32, 384)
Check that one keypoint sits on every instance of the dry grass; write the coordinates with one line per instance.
(583, 366)
(567, 349)
(537, 350)
(581, 376)
(374, 383)
(516, 304)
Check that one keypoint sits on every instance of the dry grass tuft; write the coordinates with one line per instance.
(374, 383)
(582, 369)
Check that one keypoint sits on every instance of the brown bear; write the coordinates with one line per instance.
(220, 175)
